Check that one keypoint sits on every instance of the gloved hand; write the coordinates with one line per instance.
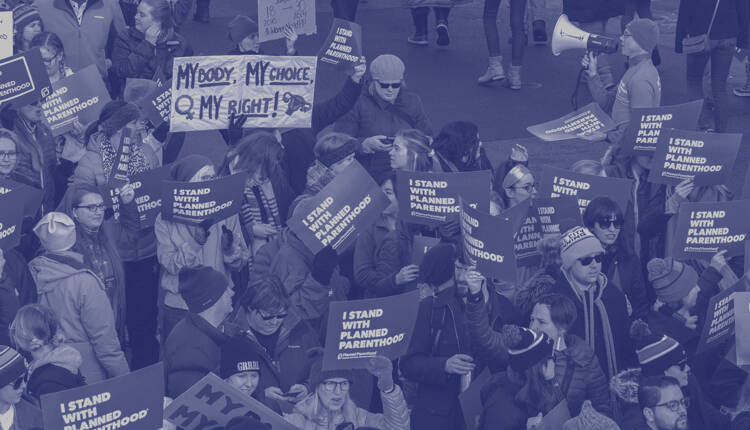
(324, 263)
(235, 128)
(381, 368)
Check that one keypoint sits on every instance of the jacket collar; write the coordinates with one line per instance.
(64, 5)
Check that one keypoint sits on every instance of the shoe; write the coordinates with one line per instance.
(743, 91)
(202, 12)
(514, 77)
(494, 71)
(418, 40)
(540, 32)
(443, 38)
(655, 57)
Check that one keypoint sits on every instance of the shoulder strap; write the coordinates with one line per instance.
(68, 261)
(716, 8)
(568, 377)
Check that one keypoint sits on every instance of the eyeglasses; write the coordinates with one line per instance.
(93, 208)
(19, 381)
(272, 317)
(330, 386)
(674, 405)
(528, 187)
(8, 154)
(607, 223)
(585, 261)
(49, 61)
(386, 86)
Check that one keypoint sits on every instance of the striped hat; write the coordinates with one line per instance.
(12, 365)
(671, 279)
(526, 348)
(23, 15)
(659, 354)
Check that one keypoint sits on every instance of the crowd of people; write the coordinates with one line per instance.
(604, 328)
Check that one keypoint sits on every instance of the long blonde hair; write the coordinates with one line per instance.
(422, 157)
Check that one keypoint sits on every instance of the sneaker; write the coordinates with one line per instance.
(539, 32)
(418, 40)
(742, 91)
(443, 38)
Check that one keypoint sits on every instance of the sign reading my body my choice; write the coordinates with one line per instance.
(271, 91)
(706, 228)
(432, 198)
(556, 182)
(349, 203)
(194, 202)
(23, 78)
(80, 96)
(646, 124)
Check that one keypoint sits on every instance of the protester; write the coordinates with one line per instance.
(26, 25)
(219, 246)
(16, 285)
(79, 298)
(662, 403)
(330, 405)
(54, 366)
(518, 186)
(240, 365)
(420, 11)
(412, 151)
(193, 348)
(15, 412)
(53, 55)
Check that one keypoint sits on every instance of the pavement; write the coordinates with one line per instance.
(445, 77)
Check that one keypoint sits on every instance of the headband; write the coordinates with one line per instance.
(332, 157)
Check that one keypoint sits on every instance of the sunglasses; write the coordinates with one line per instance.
(386, 86)
(585, 261)
(272, 317)
(607, 223)
(19, 381)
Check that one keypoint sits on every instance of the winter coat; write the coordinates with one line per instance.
(366, 248)
(14, 270)
(59, 370)
(26, 417)
(310, 414)
(440, 332)
(624, 269)
(585, 11)
(38, 138)
(176, 248)
(90, 41)
(694, 17)
(134, 57)
(16, 277)
(83, 308)
(500, 409)
(192, 350)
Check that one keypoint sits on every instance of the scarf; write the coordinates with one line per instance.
(137, 163)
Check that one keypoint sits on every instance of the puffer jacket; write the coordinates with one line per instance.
(82, 306)
(58, 370)
(309, 414)
(134, 57)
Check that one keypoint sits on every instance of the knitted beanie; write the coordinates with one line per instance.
(577, 243)
(671, 280)
(526, 348)
(655, 353)
(201, 287)
(56, 231)
(645, 32)
(514, 175)
(238, 354)
(183, 170)
(387, 68)
(23, 15)
(438, 264)
(240, 27)
(590, 419)
(317, 375)
(12, 365)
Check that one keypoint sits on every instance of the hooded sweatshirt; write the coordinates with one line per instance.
(58, 370)
(86, 318)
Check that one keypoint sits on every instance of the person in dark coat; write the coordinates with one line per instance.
(192, 349)
(460, 148)
(16, 279)
(604, 218)
(602, 319)
(14, 410)
(440, 353)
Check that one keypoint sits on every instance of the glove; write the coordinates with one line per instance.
(323, 264)
(235, 128)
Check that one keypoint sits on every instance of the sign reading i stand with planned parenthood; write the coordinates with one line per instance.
(644, 131)
(706, 228)
(589, 119)
(271, 91)
(556, 182)
(78, 97)
(195, 202)
(23, 78)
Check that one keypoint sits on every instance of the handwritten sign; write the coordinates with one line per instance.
(194, 202)
(23, 78)
(6, 34)
(274, 15)
(343, 47)
(78, 97)
(588, 119)
(271, 91)
(646, 125)
(706, 228)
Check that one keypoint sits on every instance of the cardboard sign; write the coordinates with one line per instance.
(11, 218)
(194, 202)
(351, 202)
(78, 97)
(271, 91)
(361, 329)
(147, 187)
(211, 403)
(343, 47)
(432, 198)
(32, 197)
(556, 182)
(646, 124)
(133, 401)
(274, 15)
(586, 120)
(156, 105)
(6, 34)
(742, 327)
(23, 78)
(708, 158)
(488, 243)
(719, 324)
(706, 228)
(471, 401)
(422, 244)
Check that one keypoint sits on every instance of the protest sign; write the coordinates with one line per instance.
(211, 403)
(122, 159)
(488, 243)
(336, 215)
(343, 47)
(706, 157)
(586, 120)
(471, 400)
(78, 97)
(23, 78)
(6, 34)
(156, 104)
(742, 327)
(646, 124)
(32, 197)
(557, 215)
(11, 218)
(422, 244)
(194, 202)
(526, 233)
(556, 182)
(361, 329)
(432, 198)
(271, 91)
(719, 324)
(706, 228)
(147, 186)
(133, 401)
(275, 15)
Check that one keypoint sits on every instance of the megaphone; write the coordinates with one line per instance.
(568, 36)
